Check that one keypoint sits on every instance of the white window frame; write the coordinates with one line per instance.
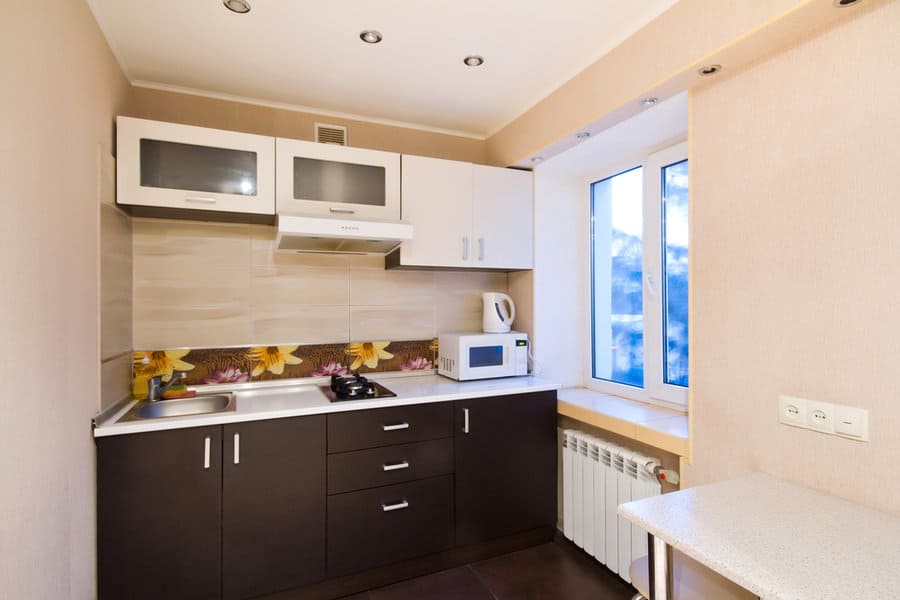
(655, 391)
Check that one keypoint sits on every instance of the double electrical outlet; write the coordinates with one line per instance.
(835, 419)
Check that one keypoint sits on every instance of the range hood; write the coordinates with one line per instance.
(339, 236)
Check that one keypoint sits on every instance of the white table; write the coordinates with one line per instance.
(778, 540)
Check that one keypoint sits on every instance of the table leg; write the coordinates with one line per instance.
(660, 565)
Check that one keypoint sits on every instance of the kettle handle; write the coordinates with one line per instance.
(511, 304)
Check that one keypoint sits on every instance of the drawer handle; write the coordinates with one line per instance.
(398, 506)
(395, 426)
(206, 449)
(395, 466)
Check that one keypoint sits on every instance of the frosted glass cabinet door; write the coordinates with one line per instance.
(327, 180)
(167, 165)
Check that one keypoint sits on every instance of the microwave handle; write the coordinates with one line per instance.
(343, 211)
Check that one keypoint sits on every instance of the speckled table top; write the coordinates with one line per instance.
(779, 540)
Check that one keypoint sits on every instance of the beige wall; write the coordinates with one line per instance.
(795, 260)
(61, 90)
(211, 284)
(238, 116)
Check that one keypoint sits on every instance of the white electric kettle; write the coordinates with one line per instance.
(499, 312)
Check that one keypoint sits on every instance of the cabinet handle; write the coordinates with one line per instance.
(395, 466)
(465, 420)
(398, 506)
(203, 199)
(237, 448)
(481, 248)
(343, 211)
(465, 253)
(395, 426)
(206, 446)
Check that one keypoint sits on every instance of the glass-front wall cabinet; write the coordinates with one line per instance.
(328, 180)
(167, 165)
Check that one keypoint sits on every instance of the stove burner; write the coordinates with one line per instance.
(355, 387)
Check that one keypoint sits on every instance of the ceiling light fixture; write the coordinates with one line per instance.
(370, 36)
(473, 60)
(649, 101)
(709, 70)
(239, 6)
(583, 135)
(845, 3)
(537, 159)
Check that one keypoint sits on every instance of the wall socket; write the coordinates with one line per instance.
(824, 417)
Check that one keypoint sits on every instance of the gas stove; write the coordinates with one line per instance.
(354, 387)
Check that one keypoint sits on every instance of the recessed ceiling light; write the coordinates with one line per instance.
(649, 101)
(709, 70)
(239, 6)
(845, 3)
(583, 135)
(370, 36)
(537, 159)
(473, 60)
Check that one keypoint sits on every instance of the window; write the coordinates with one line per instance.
(639, 279)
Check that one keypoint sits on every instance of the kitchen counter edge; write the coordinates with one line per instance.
(410, 390)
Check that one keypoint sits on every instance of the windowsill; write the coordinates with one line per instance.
(658, 427)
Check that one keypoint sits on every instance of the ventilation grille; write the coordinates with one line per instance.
(331, 134)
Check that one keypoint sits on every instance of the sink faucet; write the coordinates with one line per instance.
(156, 389)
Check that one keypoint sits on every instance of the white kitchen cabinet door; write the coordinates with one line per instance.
(502, 214)
(172, 166)
(437, 201)
(328, 180)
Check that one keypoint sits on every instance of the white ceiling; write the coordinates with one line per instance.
(306, 54)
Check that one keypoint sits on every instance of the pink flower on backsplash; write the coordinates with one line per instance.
(329, 368)
(229, 375)
(418, 363)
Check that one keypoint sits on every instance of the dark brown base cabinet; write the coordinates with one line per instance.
(505, 465)
(240, 511)
(245, 517)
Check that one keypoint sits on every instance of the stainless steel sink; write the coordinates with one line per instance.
(198, 405)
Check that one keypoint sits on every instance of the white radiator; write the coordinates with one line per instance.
(597, 477)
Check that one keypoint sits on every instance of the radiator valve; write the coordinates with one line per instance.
(668, 476)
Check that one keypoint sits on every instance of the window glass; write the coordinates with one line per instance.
(675, 269)
(617, 275)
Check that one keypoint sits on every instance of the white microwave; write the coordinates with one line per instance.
(466, 356)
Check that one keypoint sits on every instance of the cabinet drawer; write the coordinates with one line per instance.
(388, 426)
(388, 524)
(349, 471)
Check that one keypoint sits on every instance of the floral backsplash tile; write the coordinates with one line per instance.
(260, 363)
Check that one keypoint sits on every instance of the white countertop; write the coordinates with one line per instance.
(779, 540)
(297, 399)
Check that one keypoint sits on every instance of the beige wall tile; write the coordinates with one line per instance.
(459, 306)
(299, 286)
(414, 321)
(373, 287)
(210, 245)
(296, 324)
(115, 380)
(160, 327)
(115, 281)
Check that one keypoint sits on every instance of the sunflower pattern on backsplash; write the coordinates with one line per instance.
(367, 353)
(160, 362)
(256, 363)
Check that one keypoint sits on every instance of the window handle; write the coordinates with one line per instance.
(651, 284)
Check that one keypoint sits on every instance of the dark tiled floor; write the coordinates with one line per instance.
(547, 572)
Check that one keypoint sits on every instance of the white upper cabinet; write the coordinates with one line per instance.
(326, 180)
(465, 215)
(165, 166)
(502, 213)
